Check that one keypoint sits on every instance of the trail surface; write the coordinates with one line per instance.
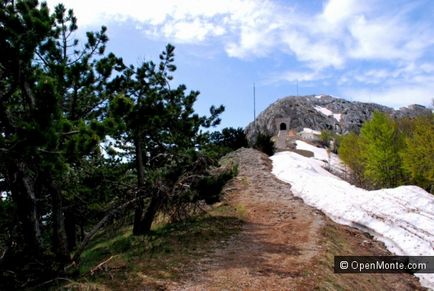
(284, 244)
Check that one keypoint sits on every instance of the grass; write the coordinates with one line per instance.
(168, 253)
(241, 210)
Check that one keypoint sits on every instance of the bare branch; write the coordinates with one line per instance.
(42, 58)
(71, 132)
(99, 225)
(98, 267)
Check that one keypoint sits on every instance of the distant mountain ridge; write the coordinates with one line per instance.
(321, 112)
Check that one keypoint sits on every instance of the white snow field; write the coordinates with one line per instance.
(309, 130)
(327, 159)
(402, 218)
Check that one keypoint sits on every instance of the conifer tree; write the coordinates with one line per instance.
(160, 123)
(51, 117)
(58, 101)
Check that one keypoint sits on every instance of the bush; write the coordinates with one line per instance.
(326, 137)
(330, 140)
(229, 138)
(264, 144)
(350, 152)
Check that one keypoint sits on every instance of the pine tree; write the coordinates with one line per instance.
(160, 123)
(226, 140)
(51, 118)
(57, 103)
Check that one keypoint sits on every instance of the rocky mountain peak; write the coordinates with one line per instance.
(321, 112)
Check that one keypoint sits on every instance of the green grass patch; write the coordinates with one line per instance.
(167, 253)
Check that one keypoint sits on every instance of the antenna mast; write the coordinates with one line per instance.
(254, 106)
(297, 87)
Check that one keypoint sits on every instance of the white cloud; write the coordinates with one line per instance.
(294, 76)
(400, 85)
(394, 96)
(190, 31)
(341, 31)
(381, 34)
(410, 73)
(338, 11)
(315, 53)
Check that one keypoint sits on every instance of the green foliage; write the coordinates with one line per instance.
(229, 137)
(325, 137)
(330, 139)
(381, 144)
(264, 144)
(53, 96)
(227, 140)
(418, 155)
(389, 153)
(209, 187)
(166, 133)
(59, 99)
(350, 152)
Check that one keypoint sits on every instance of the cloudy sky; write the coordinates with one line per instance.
(378, 51)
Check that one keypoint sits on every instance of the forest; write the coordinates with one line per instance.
(87, 140)
(391, 152)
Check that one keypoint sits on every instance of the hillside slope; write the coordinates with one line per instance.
(401, 217)
(284, 244)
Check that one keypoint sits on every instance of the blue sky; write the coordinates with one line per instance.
(378, 51)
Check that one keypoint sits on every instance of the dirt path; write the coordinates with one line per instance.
(284, 244)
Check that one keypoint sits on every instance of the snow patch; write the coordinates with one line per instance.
(309, 130)
(323, 110)
(328, 159)
(402, 218)
(319, 153)
(327, 112)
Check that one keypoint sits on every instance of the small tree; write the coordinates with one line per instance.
(350, 152)
(325, 137)
(160, 122)
(418, 155)
(381, 145)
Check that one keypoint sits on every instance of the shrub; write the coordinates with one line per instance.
(264, 144)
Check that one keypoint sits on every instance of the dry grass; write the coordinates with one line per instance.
(165, 255)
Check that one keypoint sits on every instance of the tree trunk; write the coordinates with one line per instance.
(137, 228)
(151, 211)
(23, 193)
(70, 230)
(60, 243)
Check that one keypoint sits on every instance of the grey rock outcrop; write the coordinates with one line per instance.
(321, 113)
